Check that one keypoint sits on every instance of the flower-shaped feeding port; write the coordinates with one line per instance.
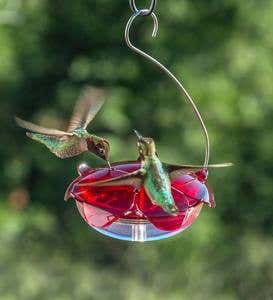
(127, 213)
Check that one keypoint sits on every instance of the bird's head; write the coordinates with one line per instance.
(100, 147)
(146, 145)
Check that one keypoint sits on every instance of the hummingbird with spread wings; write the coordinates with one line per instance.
(76, 139)
(154, 175)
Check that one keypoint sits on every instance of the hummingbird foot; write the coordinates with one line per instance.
(172, 210)
(109, 165)
(29, 134)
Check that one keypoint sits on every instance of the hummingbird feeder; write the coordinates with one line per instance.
(125, 213)
(128, 213)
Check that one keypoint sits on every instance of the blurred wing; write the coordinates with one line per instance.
(176, 170)
(39, 129)
(86, 108)
(133, 179)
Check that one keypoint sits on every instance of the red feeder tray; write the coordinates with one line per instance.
(126, 213)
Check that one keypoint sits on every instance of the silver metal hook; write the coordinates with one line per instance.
(145, 12)
(169, 73)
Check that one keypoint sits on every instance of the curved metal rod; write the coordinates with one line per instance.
(170, 75)
(145, 12)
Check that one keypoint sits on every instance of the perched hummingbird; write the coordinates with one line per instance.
(154, 175)
(76, 139)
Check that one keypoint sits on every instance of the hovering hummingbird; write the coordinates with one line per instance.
(154, 175)
(76, 139)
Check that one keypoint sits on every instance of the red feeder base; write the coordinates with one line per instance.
(125, 213)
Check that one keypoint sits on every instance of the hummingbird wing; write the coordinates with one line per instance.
(86, 108)
(178, 170)
(134, 179)
(39, 129)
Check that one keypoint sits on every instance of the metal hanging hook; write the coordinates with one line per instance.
(145, 12)
(163, 68)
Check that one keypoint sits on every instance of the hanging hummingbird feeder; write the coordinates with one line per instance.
(146, 199)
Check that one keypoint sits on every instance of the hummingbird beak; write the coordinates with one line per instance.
(139, 136)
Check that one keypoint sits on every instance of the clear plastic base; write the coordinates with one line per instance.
(135, 231)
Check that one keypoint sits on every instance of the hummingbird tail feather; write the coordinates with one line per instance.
(36, 136)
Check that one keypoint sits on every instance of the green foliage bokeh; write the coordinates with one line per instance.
(222, 51)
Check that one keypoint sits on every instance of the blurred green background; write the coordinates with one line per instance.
(222, 51)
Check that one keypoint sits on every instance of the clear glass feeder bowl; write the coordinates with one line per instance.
(124, 213)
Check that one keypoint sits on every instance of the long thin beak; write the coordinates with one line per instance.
(139, 136)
